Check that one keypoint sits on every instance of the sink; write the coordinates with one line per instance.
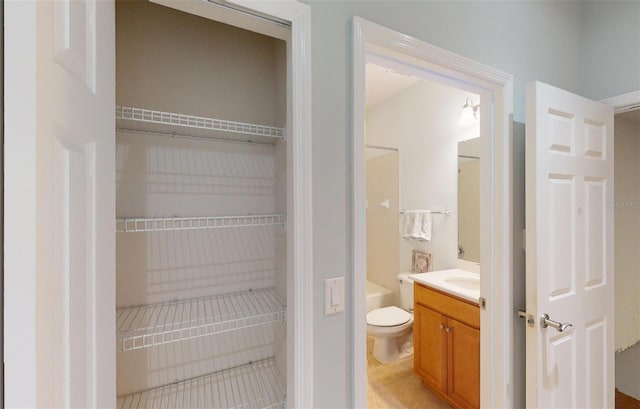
(460, 283)
(467, 283)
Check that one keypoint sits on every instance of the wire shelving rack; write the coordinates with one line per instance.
(130, 225)
(147, 121)
(255, 385)
(157, 324)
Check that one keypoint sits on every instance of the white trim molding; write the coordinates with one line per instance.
(20, 205)
(625, 102)
(496, 87)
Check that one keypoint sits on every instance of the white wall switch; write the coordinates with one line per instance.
(333, 295)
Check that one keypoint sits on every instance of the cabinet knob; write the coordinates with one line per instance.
(447, 329)
(441, 326)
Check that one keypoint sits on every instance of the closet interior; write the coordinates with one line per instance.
(201, 207)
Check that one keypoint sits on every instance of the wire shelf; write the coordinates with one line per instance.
(131, 225)
(256, 385)
(157, 324)
(181, 125)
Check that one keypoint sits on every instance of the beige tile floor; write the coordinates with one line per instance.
(396, 386)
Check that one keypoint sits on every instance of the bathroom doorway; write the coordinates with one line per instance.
(422, 154)
(406, 55)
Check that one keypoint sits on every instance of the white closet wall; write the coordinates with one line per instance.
(195, 65)
(175, 62)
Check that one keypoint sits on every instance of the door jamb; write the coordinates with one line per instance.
(496, 255)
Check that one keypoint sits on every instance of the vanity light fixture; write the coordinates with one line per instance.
(470, 113)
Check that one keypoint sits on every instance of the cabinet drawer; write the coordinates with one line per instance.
(455, 308)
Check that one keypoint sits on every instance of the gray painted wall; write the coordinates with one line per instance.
(542, 41)
(610, 48)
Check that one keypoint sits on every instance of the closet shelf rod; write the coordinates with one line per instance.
(446, 212)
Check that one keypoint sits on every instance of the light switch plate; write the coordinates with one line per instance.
(333, 295)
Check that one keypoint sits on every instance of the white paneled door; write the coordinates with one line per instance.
(76, 168)
(569, 219)
(72, 106)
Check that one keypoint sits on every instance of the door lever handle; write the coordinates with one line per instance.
(545, 322)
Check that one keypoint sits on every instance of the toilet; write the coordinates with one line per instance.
(391, 327)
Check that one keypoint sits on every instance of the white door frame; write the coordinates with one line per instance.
(20, 198)
(496, 380)
(20, 204)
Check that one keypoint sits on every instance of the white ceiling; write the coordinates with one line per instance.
(383, 83)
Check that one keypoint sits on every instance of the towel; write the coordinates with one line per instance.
(417, 225)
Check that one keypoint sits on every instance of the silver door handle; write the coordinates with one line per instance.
(545, 322)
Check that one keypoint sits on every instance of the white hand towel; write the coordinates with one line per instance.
(417, 225)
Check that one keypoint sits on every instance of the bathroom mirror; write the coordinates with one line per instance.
(469, 200)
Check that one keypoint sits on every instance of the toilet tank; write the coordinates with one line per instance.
(406, 291)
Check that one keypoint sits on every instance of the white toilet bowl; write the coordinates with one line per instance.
(388, 326)
(391, 327)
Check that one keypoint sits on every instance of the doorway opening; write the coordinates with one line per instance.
(28, 320)
(411, 56)
(233, 169)
(627, 241)
(423, 158)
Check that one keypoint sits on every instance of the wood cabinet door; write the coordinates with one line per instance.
(430, 343)
(464, 364)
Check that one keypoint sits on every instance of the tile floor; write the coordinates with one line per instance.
(396, 386)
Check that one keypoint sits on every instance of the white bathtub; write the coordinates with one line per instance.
(378, 296)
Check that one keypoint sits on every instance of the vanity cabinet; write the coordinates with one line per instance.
(447, 345)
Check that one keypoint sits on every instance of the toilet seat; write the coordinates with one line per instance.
(388, 317)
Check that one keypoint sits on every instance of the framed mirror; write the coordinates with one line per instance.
(469, 200)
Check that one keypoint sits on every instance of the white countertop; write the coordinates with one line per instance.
(459, 283)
